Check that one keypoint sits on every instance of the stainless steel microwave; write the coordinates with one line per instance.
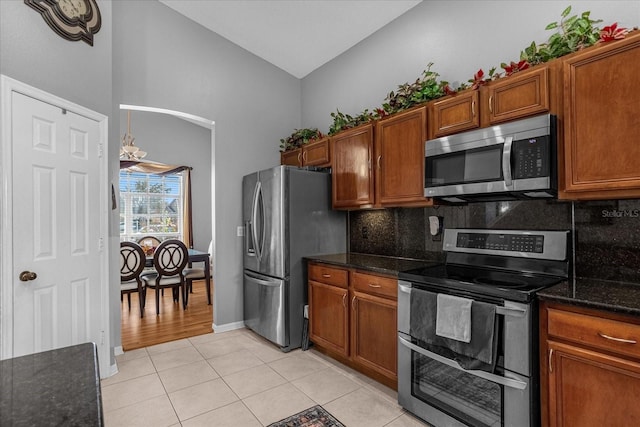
(515, 160)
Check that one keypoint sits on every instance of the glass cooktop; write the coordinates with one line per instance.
(511, 285)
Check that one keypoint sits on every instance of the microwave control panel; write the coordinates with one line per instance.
(531, 157)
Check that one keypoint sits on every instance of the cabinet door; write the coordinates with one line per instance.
(374, 333)
(329, 317)
(352, 177)
(454, 114)
(291, 158)
(588, 388)
(399, 153)
(601, 125)
(520, 95)
(316, 153)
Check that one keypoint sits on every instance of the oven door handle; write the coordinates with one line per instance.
(405, 289)
(508, 382)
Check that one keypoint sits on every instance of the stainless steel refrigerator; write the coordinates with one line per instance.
(287, 215)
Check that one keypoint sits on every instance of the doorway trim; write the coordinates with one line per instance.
(208, 124)
(7, 87)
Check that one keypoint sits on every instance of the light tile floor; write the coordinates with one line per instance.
(237, 379)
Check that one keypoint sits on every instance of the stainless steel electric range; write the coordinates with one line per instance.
(489, 375)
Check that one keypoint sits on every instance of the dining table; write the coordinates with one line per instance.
(194, 256)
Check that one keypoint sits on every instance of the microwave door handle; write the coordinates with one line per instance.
(506, 161)
(508, 382)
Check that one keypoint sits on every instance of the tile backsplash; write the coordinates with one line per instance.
(607, 233)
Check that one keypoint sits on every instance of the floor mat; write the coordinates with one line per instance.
(315, 416)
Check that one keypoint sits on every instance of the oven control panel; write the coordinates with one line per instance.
(501, 242)
(538, 244)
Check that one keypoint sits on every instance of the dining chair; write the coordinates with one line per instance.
(132, 260)
(199, 273)
(169, 259)
(149, 244)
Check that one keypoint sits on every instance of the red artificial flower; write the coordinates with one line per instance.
(381, 112)
(513, 67)
(612, 32)
(478, 79)
(448, 90)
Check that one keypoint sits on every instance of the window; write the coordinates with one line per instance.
(150, 205)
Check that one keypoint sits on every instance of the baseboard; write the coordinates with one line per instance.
(227, 327)
(117, 351)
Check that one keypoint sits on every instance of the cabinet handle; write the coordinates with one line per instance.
(491, 104)
(617, 339)
(550, 360)
(299, 158)
(473, 108)
(379, 158)
(371, 285)
(326, 276)
(344, 300)
(304, 156)
(353, 303)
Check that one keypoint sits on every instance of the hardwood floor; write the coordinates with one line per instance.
(173, 323)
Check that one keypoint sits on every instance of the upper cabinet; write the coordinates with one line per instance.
(399, 150)
(351, 175)
(601, 152)
(381, 166)
(526, 93)
(454, 114)
(313, 154)
(523, 94)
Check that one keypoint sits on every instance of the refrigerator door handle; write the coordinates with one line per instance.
(274, 283)
(254, 220)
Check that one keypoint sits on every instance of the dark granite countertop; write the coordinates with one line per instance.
(617, 297)
(373, 263)
(53, 388)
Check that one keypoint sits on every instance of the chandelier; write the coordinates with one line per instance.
(129, 151)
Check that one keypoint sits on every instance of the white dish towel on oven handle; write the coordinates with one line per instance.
(453, 318)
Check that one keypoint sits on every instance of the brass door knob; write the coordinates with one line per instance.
(25, 276)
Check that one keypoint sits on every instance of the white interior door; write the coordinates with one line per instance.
(56, 227)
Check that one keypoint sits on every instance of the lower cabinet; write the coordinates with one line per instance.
(590, 368)
(353, 318)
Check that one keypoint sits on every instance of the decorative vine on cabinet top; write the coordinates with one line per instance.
(381, 166)
(312, 154)
(353, 316)
(601, 151)
(590, 367)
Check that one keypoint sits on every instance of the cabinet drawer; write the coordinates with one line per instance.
(373, 284)
(611, 335)
(332, 276)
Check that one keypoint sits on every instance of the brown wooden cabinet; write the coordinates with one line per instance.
(453, 114)
(328, 308)
(601, 152)
(399, 153)
(313, 154)
(590, 369)
(351, 174)
(354, 319)
(523, 94)
(374, 320)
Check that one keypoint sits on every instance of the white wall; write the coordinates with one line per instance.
(459, 37)
(162, 59)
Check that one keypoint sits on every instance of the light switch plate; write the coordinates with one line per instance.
(240, 231)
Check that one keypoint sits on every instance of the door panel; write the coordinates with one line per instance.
(265, 307)
(55, 165)
(271, 228)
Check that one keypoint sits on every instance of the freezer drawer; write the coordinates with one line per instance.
(265, 307)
